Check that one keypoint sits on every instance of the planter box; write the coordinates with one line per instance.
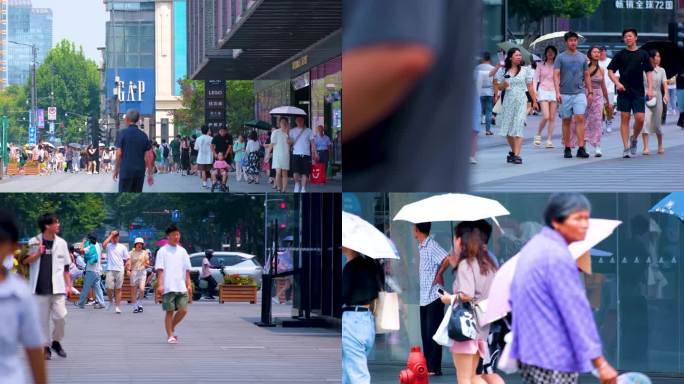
(13, 169)
(32, 169)
(237, 293)
(127, 290)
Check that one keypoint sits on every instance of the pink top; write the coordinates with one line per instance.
(220, 164)
(543, 75)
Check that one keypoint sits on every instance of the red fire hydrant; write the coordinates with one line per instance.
(416, 368)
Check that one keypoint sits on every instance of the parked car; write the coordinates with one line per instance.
(233, 263)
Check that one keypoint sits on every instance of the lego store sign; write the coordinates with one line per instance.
(657, 5)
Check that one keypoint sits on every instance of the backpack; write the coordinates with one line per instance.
(90, 254)
(165, 151)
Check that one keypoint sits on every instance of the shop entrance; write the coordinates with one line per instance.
(302, 94)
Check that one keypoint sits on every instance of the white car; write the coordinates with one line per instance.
(234, 263)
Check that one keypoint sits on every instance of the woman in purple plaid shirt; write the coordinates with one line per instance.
(554, 333)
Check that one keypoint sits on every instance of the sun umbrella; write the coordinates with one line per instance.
(362, 237)
(671, 56)
(500, 290)
(527, 55)
(48, 144)
(672, 204)
(451, 207)
(101, 145)
(288, 111)
(556, 39)
(75, 145)
(258, 124)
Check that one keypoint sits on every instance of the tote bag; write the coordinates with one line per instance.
(386, 312)
(441, 337)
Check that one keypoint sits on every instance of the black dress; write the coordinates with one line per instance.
(185, 159)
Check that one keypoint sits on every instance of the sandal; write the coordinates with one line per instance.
(172, 340)
(550, 145)
(537, 140)
(661, 151)
(646, 152)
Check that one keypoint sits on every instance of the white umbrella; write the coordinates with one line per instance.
(500, 290)
(48, 144)
(101, 145)
(362, 237)
(451, 207)
(556, 38)
(288, 111)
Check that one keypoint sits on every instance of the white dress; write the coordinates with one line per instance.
(281, 150)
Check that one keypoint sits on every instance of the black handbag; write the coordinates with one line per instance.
(462, 324)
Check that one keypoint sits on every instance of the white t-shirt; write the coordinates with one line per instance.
(303, 145)
(603, 64)
(175, 262)
(116, 255)
(203, 148)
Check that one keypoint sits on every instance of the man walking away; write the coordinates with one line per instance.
(117, 254)
(573, 92)
(133, 155)
(432, 256)
(49, 279)
(631, 62)
(487, 90)
(91, 253)
(173, 275)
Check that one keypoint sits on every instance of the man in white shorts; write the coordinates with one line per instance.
(117, 254)
(137, 264)
(173, 274)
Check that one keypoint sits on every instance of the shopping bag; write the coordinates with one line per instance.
(507, 364)
(318, 175)
(386, 312)
(441, 337)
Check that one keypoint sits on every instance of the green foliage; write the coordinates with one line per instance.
(13, 105)
(534, 11)
(238, 280)
(240, 105)
(78, 213)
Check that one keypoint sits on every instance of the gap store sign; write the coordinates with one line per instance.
(133, 88)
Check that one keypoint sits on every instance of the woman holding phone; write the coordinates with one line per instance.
(515, 79)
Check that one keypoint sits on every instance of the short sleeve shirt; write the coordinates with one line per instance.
(572, 68)
(303, 145)
(20, 328)
(431, 257)
(133, 143)
(632, 65)
(203, 146)
(116, 255)
(138, 259)
(221, 143)
(175, 262)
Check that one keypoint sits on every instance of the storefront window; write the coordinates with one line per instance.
(271, 94)
(326, 108)
(492, 29)
(635, 290)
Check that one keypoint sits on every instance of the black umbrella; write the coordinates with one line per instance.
(671, 56)
(259, 124)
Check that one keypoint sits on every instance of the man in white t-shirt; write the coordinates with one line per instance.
(610, 86)
(303, 147)
(205, 155)
(117, 254)
(174, 286)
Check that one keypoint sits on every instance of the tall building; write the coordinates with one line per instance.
(26, 25)
(170, 64)
(3, 44)
(130, 59)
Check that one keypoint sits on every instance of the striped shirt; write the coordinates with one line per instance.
(431, 257)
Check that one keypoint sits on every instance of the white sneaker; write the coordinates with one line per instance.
(303, 190)
(96, 172)
(297, 188)
(117, 310)
(473, 160)
(204, 184)
(598, 151)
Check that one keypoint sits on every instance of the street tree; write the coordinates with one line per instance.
(13, 104)
(531, 13)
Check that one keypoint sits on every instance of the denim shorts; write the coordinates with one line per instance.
(572, 105)
(358, 336)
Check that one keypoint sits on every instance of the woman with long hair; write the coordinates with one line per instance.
(253, 169)
(515, 79)
(474, 272)
(653, 122)
(594, 112)
(543, 83)
(185, 156)
(280, 149)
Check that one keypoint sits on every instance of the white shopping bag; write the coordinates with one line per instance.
(508, 364)
(386, 312)
(441, 337)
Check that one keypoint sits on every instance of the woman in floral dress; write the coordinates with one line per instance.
(594, 113)
(515, 79)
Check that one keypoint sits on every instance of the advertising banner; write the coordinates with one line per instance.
(133, 87)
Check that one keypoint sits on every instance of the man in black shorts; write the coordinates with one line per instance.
(222, 143)
(303, 147)
(631, 62)
(133, 155)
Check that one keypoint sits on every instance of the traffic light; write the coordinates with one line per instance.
(283, 205)
(676, 34)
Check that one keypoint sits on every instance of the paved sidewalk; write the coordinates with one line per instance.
(218, 343)
(545, 170)
(171, 182)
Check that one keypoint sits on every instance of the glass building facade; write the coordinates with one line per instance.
(26, 25)
(635, 290)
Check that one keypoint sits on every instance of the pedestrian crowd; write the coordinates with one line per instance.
(585, 90)
(72, 159)
(550, 333)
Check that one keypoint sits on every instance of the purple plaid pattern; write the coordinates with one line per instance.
(431, 256)
(553, 326)
(536, 375)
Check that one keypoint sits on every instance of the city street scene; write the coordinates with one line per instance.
(493, 287)
(579, 95)
(232, 288)
(254, 106)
